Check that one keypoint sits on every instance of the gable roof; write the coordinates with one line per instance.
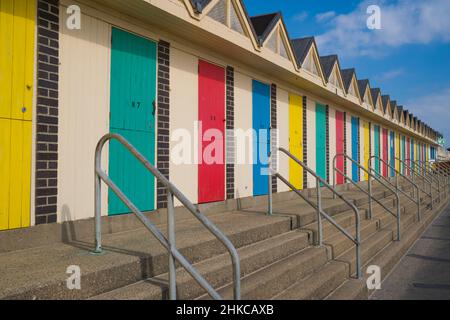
(400, 112)
(263, 25)
(199, 5)
(347, 76)
(362, 86)
(301, 48)
(393, 107)
(328, 63)
(375, 92)
(386, 102)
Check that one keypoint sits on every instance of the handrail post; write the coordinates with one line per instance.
(369, 182)
(334, 177)
(98, 215)
(269, 196)
(319, 213)
(171, 238)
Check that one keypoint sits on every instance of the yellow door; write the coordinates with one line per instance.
(296, 139)
(366, 130)
(17, 33)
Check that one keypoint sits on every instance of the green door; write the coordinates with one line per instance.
(377, 150)
(133, 93)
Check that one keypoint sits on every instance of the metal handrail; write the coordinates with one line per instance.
(168, 244)
(420, 175)
(417, 201)
(369, 192)
(320, 212)
(430, 174)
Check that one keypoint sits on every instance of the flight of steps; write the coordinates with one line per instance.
(279, 258)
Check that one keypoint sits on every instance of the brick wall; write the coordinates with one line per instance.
(47, 111)
(230, 151)
(163, 110)
(273, 121)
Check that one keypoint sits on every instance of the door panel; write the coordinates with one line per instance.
(403, 154)
(17, 45)
(133, 94)
(355, 148)
(261, 147)
(377, 151)
(366, 129)
(392, 153)
(211, 114)
(385, 153)
(321, 162)
(296, 139)
(340, 145)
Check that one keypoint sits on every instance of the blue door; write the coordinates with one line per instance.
(261, 143)
(355, 148)
(392, 153)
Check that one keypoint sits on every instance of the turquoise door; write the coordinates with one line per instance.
(403, 154)
(321, 125)
(133, 93)
(376, 139)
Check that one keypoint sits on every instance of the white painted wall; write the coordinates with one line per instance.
(84, 115)
(332, 139)
(283, 135)
(311, 139)
(243, 178)
(183, 117)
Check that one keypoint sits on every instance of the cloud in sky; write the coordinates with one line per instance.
(300, 17)
(402, 22)
(321, 17)
(391, 74)
(434, 109)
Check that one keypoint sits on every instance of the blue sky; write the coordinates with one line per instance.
(409, 58)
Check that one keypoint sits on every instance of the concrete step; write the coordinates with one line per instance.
(40, 273)
(317, 285)
(369, 247)
(274, 278)
(386, 259)
(216, 270)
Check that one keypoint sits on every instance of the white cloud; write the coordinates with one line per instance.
(321, 17)
(300, 17)
(391, 74)
(403, 22)
(434, 109)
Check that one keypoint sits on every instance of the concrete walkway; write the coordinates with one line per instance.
(424, 273)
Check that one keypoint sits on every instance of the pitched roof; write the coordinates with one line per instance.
(375, 93)
(362, 85)
(347, 76)
(199, 5)
(263, 25)
(301, 48)
(385, 99)
(393, 107)
(400, 111)
(327, 63)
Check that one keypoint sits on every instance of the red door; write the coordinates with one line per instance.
(385, 152)
(340, 145)
(211, 116)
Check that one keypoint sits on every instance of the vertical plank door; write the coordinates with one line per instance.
(296, 139)
(17, 46)
(211, 115)
(340, 145)
(261, 143)
(132, 115)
